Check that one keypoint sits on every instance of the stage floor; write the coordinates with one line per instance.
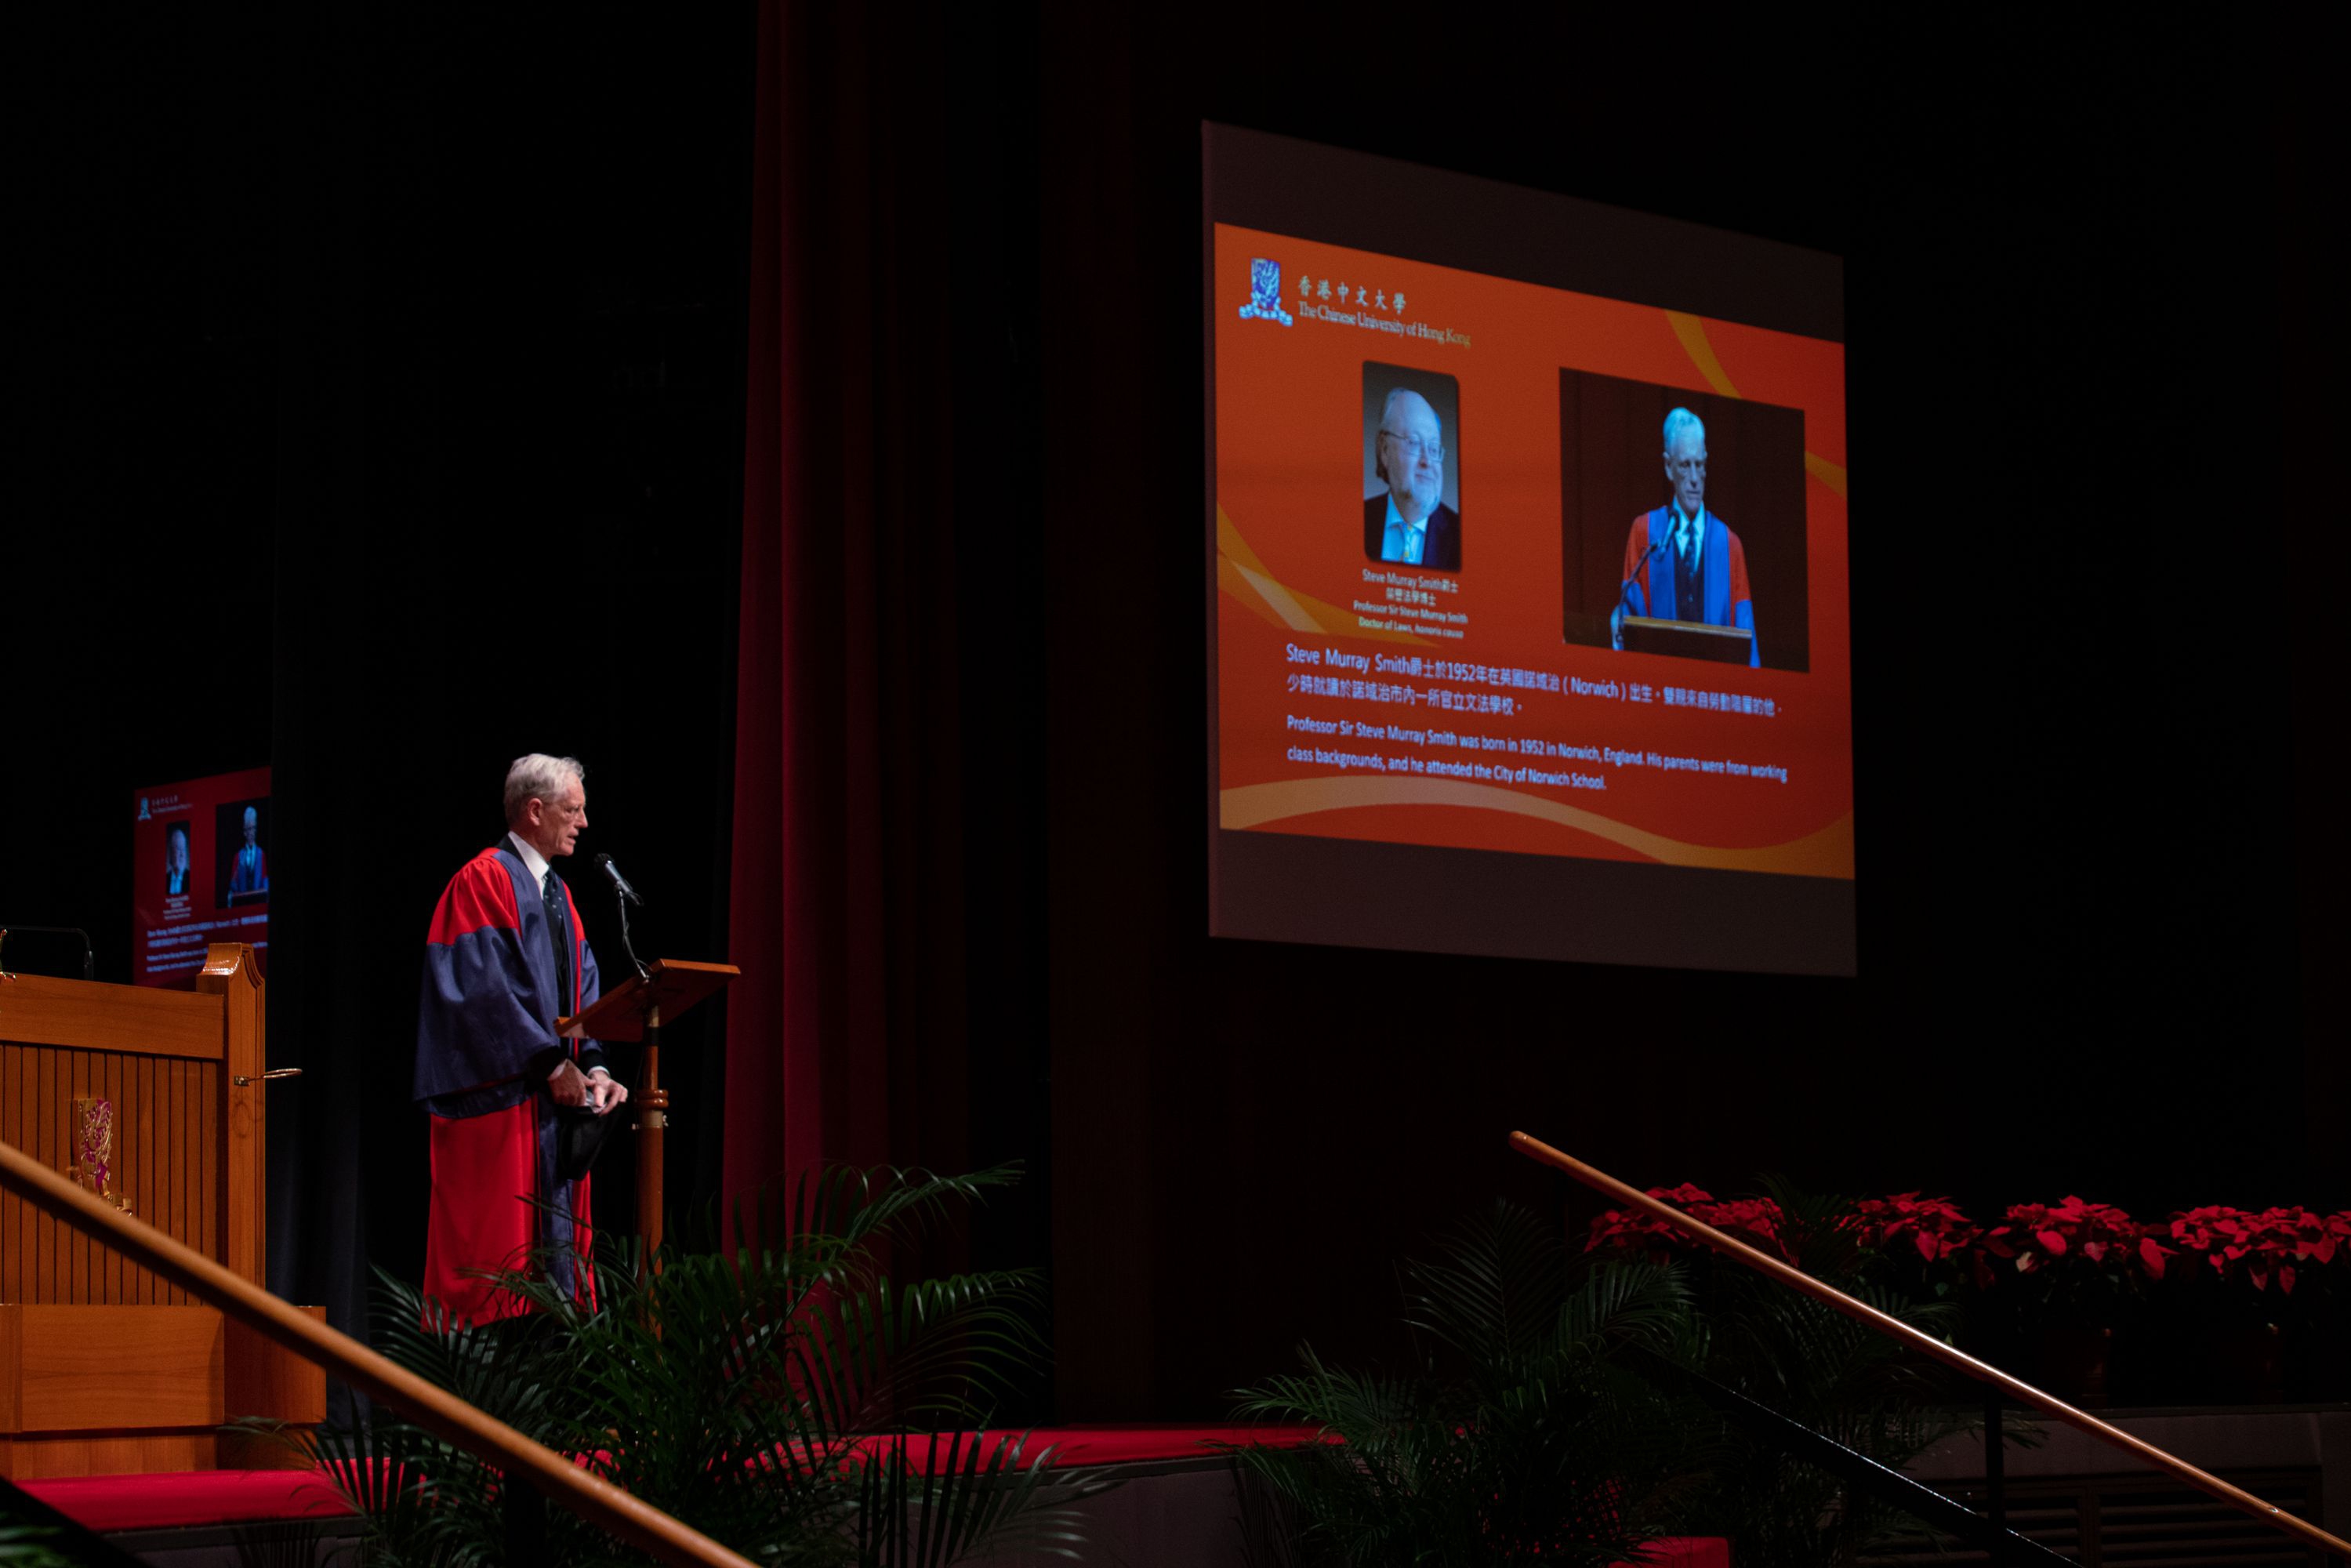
(1175, 1506)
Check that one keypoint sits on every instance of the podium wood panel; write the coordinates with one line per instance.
(1688, 639)
(262, 1377)
(51, 1458)
(79, 1369)
(676, 984)
(167, 1160)
(79, 1328)
(106, 1390)
(138, 1021)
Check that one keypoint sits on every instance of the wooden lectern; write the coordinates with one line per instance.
(636, 1009)
(154, 1099)
(1688, 639)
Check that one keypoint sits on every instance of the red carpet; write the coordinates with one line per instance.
(192, 1498)
(109, 1504)
(1086, 1447)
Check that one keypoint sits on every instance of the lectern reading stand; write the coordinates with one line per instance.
(1688, 639)
(636, 1009)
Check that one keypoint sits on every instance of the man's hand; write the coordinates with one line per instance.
(569, 1085)
(606, 1093)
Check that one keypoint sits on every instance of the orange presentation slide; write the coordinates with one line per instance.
(1508, 568)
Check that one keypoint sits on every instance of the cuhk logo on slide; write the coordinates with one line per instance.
(1265, 293)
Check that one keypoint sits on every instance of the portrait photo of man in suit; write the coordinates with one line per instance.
(177, 872)
(1412, 518)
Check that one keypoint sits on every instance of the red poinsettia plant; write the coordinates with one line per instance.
(1755, 1220)
(2275, 1244)
(2075, 1254)
(2092, 1235)
(1934, 1226)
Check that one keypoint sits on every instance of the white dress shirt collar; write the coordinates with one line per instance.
(532, 861)
(1413, 536)
(1675, 518)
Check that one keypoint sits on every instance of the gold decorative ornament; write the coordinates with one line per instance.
(93, 1125)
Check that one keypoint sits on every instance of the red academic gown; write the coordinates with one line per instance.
(484, 1044)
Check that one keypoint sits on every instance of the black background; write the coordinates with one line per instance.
(417, 334)
(434, 317)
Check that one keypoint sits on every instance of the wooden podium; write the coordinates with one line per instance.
(155, 1099)
(1688, 639)
(636, 1009)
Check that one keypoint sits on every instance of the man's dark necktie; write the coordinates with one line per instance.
(559, 931)
(1687, 542)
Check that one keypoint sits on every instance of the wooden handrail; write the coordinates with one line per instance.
(2024, 1393)
(434, 1409)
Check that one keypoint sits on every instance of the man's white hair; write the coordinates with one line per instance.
(1388, 411)
(1682, 419)
(1396, 396)
(252, 816)
(538, 777)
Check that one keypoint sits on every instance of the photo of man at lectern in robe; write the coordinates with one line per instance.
(506, 957)
(1682, 562)
(249, 870)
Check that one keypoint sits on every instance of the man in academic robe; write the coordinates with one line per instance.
(1409, 522)
(506, 957)
(175, 860)
(249, 873)
(1681, 561)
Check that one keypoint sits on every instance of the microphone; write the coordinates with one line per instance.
(620, 884)
(1626, 586)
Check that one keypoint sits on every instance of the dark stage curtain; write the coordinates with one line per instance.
(508, 304)
(887, 848)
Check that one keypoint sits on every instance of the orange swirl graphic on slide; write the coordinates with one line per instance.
(1242, 574)
(1826, 472)
(1691, 331)
(1826, 852)
(1700, 349)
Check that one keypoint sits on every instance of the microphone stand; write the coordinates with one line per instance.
(88, 955)
(623, 895)
(649, 1098)
(1616, 616)
(626, 947)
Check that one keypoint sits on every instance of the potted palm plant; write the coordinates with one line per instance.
(778, 1395)
(1839, 1379)
(1516, 1432)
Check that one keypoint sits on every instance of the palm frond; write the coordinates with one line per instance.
(930, 1351)
(729, 1387)
(424, 1503)
(1493, 1290)
(1522, 1439)
(969, 1494)
(1631, 1303)
(1822, 1369)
